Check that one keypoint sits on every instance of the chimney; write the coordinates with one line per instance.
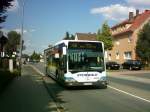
(137, 12)
(131, 16)
(147, 10)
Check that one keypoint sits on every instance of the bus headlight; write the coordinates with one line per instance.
(69, 79)
(103, 78)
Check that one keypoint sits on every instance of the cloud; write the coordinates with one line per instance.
(141, 3)
(32, 30)
(15, 6)
(29, 46)
(28, 43)
(5, 31)
(19, 30)
(113, 12)
(44, 46)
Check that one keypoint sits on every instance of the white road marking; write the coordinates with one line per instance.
(135, 96)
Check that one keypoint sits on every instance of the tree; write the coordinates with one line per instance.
(3, 41)
(4, 5)
(13, 42)
(143, 44)
(72, 37)
(35, 56)
(69, 36)
(104, 35)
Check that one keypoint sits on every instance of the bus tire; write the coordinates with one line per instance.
(103, 86)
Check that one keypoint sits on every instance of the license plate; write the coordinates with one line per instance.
(87, 83)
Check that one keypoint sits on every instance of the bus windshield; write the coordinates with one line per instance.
(85, 56)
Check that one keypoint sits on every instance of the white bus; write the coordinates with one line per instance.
(77, 63)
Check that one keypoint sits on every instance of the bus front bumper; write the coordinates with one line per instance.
(98, 83)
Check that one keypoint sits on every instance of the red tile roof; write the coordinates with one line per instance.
(135, 22)
(140, 19)
(86, 36)
(122, 23)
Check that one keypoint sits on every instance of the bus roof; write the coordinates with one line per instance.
(67, 41)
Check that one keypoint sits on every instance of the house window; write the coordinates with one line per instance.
(127, 55)
(117, 55)
(117, 42)
(129, 38)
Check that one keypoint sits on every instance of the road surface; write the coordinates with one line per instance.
(128, 91)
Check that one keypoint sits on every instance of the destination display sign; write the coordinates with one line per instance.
(85, 45)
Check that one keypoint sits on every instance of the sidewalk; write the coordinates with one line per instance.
(27, 94)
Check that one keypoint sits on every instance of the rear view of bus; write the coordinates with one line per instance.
(85, 64)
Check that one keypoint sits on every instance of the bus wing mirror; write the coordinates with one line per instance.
(64, 50)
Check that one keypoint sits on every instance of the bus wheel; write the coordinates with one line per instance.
(103, 86)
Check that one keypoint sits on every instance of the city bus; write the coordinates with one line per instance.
(76, 63)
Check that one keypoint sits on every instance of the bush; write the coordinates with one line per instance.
(6, 76)
(4, 63)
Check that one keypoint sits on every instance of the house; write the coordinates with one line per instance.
(125, 35)
(86, 36)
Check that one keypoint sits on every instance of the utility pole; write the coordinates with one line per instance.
(22, 28)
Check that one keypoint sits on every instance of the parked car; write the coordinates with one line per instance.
(132, 65)
(112, 65)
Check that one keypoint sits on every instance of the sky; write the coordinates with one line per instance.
(47, 21)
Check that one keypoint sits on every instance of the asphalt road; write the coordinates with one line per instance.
(128, 91)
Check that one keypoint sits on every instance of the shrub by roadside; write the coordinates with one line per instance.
(6, 76)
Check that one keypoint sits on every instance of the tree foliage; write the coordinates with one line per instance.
(35, 56)
(104, 35)
(143, 44)
(13, 42)
(69, 36)
(72, 37)
(25, 56)
(4, 5)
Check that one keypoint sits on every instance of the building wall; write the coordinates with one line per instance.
(122, 44)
